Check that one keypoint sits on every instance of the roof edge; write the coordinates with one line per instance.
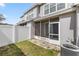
(38, 4)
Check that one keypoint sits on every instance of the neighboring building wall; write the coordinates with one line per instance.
(35, 12)
(41, 10)
(28, 15)
(67, 27)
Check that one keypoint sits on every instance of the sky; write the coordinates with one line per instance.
(13, 11)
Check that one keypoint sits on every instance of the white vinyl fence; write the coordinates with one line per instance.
(21, 33)
(11, 34)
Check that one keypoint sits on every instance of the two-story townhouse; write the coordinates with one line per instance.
(56, 23)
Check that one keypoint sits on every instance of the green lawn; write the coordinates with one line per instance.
(26, 48)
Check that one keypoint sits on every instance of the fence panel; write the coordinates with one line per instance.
(6, 34)
(22, 33)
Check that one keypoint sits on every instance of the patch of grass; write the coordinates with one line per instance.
(10, 50)
(31, 49)
(25, 48)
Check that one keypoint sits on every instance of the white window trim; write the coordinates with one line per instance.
(54, 11)
(44, 9)
(58, 31)
(49, 30)
(53, 6)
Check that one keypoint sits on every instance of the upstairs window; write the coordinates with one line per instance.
(46, 9)
(52, 7)
(29, 17)
(60, 6)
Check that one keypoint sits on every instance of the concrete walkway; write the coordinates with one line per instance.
(45, 44)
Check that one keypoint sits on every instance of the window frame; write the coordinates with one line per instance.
(54, 11)
(52, 33)
(60, 6)
(45, 9)
(52, 7)
(45, 29)
(37, 28)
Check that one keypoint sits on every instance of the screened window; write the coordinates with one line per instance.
(37, 29)
(52, 7)
(54, 31)
(46, 9)
(60, 6)
(29, 17)
(47, 30)
(44, 30)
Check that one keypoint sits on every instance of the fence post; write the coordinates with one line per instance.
(14, 34)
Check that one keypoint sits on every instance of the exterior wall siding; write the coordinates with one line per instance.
(67, 28)
(68, 5)
(77, 15)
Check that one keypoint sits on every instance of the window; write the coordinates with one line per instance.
(46, 9)
(47, 30)
(54, 37)
(60, 6)
(29, 17)
(37, 28)
(54, 31)
(44, 29)
(52, 7)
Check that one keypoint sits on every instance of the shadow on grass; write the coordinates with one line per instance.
(10, 50)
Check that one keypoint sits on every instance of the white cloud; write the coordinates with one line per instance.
(2, 4)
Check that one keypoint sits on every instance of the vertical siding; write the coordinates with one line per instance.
(67, 27)
(35, 12)
(77, 29)
(41, 10)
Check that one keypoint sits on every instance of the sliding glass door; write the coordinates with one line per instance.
(48, 29)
